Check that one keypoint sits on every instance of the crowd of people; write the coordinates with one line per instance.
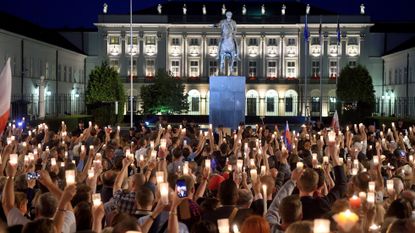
(181, 178)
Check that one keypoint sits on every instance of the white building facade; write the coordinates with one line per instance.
(272, 52)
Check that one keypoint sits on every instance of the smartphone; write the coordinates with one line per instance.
(181, 188)
(32, 176)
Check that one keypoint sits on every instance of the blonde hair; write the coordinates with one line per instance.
(300, 227)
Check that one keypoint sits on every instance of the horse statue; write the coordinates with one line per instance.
(228, 48)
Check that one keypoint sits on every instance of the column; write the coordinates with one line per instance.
(161, 49)
(262, 57)
(243, 55)
(281, 69)
(203, 66)
(184, 69)
(141, 59)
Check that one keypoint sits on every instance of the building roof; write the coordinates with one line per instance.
(25, 28)
(405, 45)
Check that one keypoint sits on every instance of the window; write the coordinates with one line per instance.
(333, 68)
(114, 40)
(272, 42)
(315, 104)
(150, 68)
(332, 104)
(134, 67)
(315, 68)
(270, 104)
(135, 40)
(390, 77)
(315, 40)
(194, 42)
(272, 69)
(175, 41)
(115, 65)
(288, 104)
(235, 67)
(194, 68)
(150, 40)
(194, 104)
(213, 68)
(291, 71)
(252, 42)
(352, 41)
(333, 40)
(194, 101)
(291, 42)
(64, 73)
(175, 68)
(70, 75)
(252, 69)
(213, 41)
(59, 78)
(352, 64)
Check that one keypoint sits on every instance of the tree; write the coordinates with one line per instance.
(166, 95)
(103, 90)
(355, 93)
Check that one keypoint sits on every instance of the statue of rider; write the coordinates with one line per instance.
(228, 24)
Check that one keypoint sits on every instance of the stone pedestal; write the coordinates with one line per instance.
(226, 101)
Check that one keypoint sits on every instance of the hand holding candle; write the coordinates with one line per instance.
(96, 199)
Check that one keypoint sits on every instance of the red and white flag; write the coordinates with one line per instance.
(5, 95)
(335, 124)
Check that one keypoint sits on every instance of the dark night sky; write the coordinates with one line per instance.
(83, 13)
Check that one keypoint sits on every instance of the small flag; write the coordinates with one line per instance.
(306, 32)
(287, 136)
(338, 31)
(5, 94)
(335, 124)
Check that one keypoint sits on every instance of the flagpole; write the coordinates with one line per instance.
(131, 66)
(321, 72)
(305, 66)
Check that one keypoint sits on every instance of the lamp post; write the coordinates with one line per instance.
(131, 65)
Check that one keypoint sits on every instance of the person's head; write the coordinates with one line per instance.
(400, 208)
(46, 205)
(41, 225)
(83, 216)
(401, 225)
(228, 15)
(300, 227)
(144, 198)
(269, 182)
(20, 202)
(177, 153)
(308, 181)
(83, 193)
(128, 223)
(255, 224)
(228, 192)
(359, 183)
(190, 183)
(244, 198)
(204, 227)
(291, 209)
(307, 144)
(135, 181)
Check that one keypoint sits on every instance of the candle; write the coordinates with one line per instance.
(346, 220)
(26, 159)
(169, 127)
(354, 171)
(263, 170)
(153, 154)
(91, 147)
(389, 186)
(321, 226)
(325, 159)
(141, 158)
(131, 156)
(254, 175)
(207, 163)
(13, 159)
(300, 165)
(206, 133)
(314, 155)
(31, 157)
(393, 124)
(374, 228)
(362, 196)
(96, 163)
(91, 172)
(151, 144)
(230, 167)
(163, 143)
(223, 225)
(239, 164)
(96, 199)
(356, 163)
(83, 148)
(164, 193)
(160, 177)
(375, 160)
(372, 186)
(264, 190)
(186, 168)
(70, 177)
(210, 126)
(341, 160)
(235, 228)
(354, 202)
(118, 128)
(252, 162)
(371, 197)
(53, 162)
(127, 151)
(62, 164)
(411, 158)
(332, 136)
